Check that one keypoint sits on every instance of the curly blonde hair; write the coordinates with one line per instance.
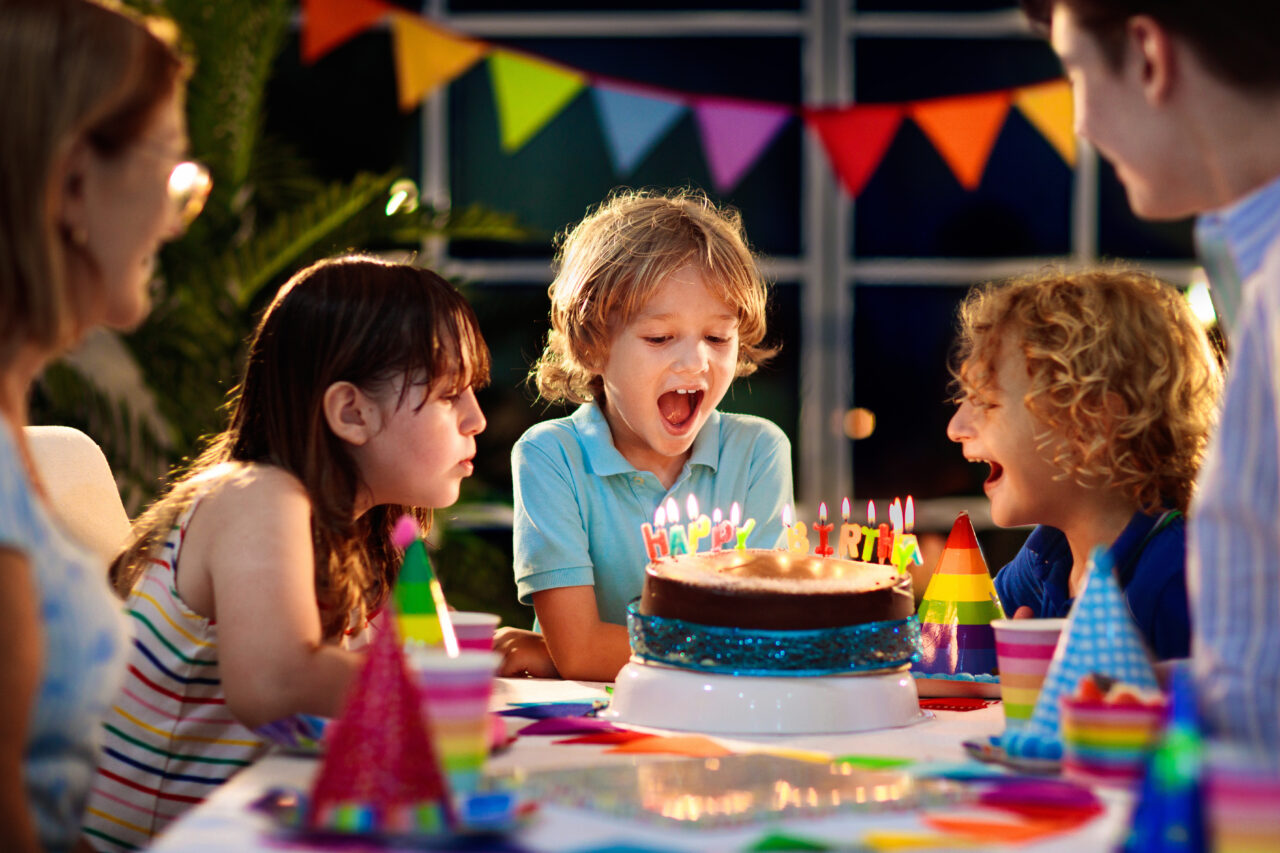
(611, 262)
(1124, 382)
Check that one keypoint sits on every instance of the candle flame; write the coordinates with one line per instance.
(844, 511)
(822, 513)
(673, 511)
(660, 517)
(911, 513)
(895, 516)
(871, 513)
(692, 506)
(734, 513)
(786, 515)
(716, 515)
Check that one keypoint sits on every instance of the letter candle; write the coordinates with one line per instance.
(869, 534)
(721, 531)
(679, 544)
(797, 534)
(742, 532)
(849, 534)
(905, 546)
(884, 544)
(699, 525)
(655, 536)
(823, 530)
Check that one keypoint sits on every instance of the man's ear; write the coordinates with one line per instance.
(1154, 48)
(351, 415)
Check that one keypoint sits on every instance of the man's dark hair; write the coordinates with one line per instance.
(1235, 39)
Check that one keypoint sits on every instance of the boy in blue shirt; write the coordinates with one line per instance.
(1090, 396)
(658, 305)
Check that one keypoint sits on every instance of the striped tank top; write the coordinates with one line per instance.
(169, 740)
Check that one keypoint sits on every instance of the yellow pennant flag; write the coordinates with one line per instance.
(529, 93)
(427, 57)
(964, 130)
(1049, 109)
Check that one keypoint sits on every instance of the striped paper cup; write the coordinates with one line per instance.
(455, 699)
(1107, 743)
(1242, 796)
(474, 629)
(1024, 648)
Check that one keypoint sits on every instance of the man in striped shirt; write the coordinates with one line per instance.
(1183, 97)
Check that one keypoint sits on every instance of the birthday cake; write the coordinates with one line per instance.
(774, 590)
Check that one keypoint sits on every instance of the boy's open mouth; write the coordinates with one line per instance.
(678, 407)
(996, 472)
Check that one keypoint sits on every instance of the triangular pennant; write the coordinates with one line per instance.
(633, 122)
(964, 130)
(1049, 108)
(328, 23)
(735, 134)
(427, 57)
(381, 769)
(958, 606)
(856, 139)
(1099, 637)
(529, 93)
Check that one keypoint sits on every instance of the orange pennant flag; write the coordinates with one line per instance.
(328, 23)
(1049, 108)
(964, 130)
(427, 57)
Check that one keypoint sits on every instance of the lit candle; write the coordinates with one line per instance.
(869, 533)
(823, 530)
(721, 531)
(699, 525)
(679, 544)
(797, 534)
(849, 534)
(655, 536)
(905, 547)
(742, 532)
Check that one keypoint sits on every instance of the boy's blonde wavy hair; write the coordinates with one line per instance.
(1124, 382)
(613, 260)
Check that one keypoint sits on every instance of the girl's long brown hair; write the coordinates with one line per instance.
(352, 319)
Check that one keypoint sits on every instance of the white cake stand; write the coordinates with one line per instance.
(665, 697)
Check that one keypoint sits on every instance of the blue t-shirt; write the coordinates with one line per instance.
(579, 503)
(1156, 592)
(82, 655)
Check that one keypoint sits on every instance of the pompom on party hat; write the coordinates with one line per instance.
(958, 606)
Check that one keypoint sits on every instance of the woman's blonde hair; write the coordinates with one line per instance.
(75, 71)
(1124, 382)
(611, 262)
(352, 319)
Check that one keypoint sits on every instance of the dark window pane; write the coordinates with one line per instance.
(1122, 234)
(619, 6)
(931, 5)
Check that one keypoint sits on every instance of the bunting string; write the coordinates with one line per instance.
(530, 91)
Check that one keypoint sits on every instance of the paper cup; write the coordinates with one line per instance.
(1242, 790)
(1108, 744)
(455, 698)
(1024, 648)
(475, 629)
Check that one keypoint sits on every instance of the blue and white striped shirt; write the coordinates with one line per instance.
(1234, 565)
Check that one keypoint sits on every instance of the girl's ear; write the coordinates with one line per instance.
(351, 415)
(70, 203)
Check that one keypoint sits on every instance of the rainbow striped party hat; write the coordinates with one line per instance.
(422, 614)
(958, 606)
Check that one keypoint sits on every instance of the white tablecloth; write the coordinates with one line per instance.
(224, 821)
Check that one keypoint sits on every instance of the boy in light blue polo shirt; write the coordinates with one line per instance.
(657, 306)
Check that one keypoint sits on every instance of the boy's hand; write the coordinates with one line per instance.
(524, 653)
(1024, 612)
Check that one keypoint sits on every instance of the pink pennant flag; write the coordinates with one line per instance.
(964, 130)
(328, 23)
(855, 139)
(734, 135)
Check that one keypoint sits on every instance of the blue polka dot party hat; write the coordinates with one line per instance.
(1100, 637)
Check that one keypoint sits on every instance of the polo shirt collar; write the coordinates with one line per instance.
(605, 460)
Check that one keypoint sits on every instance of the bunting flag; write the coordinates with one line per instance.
(428, 57)
(964, 130)
(328, 23)
(1049, 109)
(633, 121)
(529, 93)
(734, 135)
(856, 139)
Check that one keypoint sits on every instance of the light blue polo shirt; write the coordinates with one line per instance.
(579, 503)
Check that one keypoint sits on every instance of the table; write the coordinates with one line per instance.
(224, 822)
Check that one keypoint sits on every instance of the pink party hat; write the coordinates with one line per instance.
(381, 773)
(958, 606)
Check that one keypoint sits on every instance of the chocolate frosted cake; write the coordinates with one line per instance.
(774, 590)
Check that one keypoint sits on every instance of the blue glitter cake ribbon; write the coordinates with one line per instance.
(750, 651)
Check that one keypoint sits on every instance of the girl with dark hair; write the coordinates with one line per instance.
(247, 579)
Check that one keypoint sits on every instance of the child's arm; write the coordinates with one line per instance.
(20, 635)
(582, 647)
(524, 653)
(253, 541)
